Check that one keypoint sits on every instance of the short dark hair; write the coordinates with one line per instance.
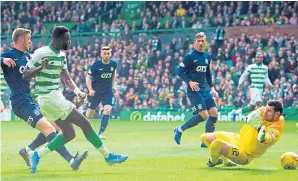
(59, 31)
(277, 105)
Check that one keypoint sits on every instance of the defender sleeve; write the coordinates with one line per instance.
(91, 69)
(182, 69)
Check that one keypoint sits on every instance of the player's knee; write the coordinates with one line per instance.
(214, 114)
(216, 144)
(107, 109)
(86, 127)
(204, 114)
(204, 139)
(69, 135)
(45, 127)
(209, 137)
(89, 114)
(57, 128)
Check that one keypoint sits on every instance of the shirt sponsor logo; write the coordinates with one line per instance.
(201, 68)
(106, 75)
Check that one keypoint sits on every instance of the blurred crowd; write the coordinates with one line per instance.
(147, 70)
(155, 15)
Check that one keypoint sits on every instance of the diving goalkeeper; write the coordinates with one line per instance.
(263, 129)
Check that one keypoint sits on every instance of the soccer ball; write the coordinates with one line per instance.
(289, 160)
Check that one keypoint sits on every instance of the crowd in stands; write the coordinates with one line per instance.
(185, 14)
(147, 70)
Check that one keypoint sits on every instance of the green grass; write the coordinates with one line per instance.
(153, 155)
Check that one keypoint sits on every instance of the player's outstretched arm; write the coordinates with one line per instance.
(271, 133)
(31, 71)
(70, 84)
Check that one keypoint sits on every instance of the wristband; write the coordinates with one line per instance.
(76, 90)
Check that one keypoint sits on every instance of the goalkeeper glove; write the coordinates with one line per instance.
(262, 134)
(254, 119)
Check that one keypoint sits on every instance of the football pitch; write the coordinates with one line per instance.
(153, 155)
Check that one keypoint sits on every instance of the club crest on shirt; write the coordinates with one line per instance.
(206, 61)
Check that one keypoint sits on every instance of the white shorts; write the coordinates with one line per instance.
(255, 96)
(54, 106)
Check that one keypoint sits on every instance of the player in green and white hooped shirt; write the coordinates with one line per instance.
(259, 76)
(52, 102)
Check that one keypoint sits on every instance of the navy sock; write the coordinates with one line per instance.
(39, 140)
(104, 123)
(193, 121)
(210, 124)
(62, 150)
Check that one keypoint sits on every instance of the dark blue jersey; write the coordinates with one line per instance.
(13, 76)
(102, 76)
(195, 67)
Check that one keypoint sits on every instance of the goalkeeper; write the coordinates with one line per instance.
(263, 129)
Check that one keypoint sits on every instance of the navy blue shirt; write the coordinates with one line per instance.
(13, 76)
(102, 76)
(195, 67)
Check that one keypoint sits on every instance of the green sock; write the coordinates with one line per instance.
(246, 109)
(94, 139)
(57, 142)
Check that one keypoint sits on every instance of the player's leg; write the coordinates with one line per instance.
(29, 112)
(78, 119)
(107, 108)
(93, 102)
(212, 112)
(55, 108)
(255, 97)
(105, 120)
(39, 140)
(68, 133)
(199, 114)
(208, 138)
(219, 148)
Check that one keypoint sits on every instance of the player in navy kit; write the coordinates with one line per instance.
(13, 63)
(195, 71)
(100, 83)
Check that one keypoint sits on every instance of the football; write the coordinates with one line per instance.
(289, 160)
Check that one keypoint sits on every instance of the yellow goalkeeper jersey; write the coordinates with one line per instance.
(249, 142)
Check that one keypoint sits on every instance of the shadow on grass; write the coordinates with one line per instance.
(241, 169)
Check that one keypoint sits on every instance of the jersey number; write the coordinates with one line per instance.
(235, 151)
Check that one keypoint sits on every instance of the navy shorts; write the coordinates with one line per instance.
(26, 109)
(105, 99)
(201, 100)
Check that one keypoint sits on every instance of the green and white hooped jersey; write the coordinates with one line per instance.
(3, 83)
(258, 74)
(48, 79)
